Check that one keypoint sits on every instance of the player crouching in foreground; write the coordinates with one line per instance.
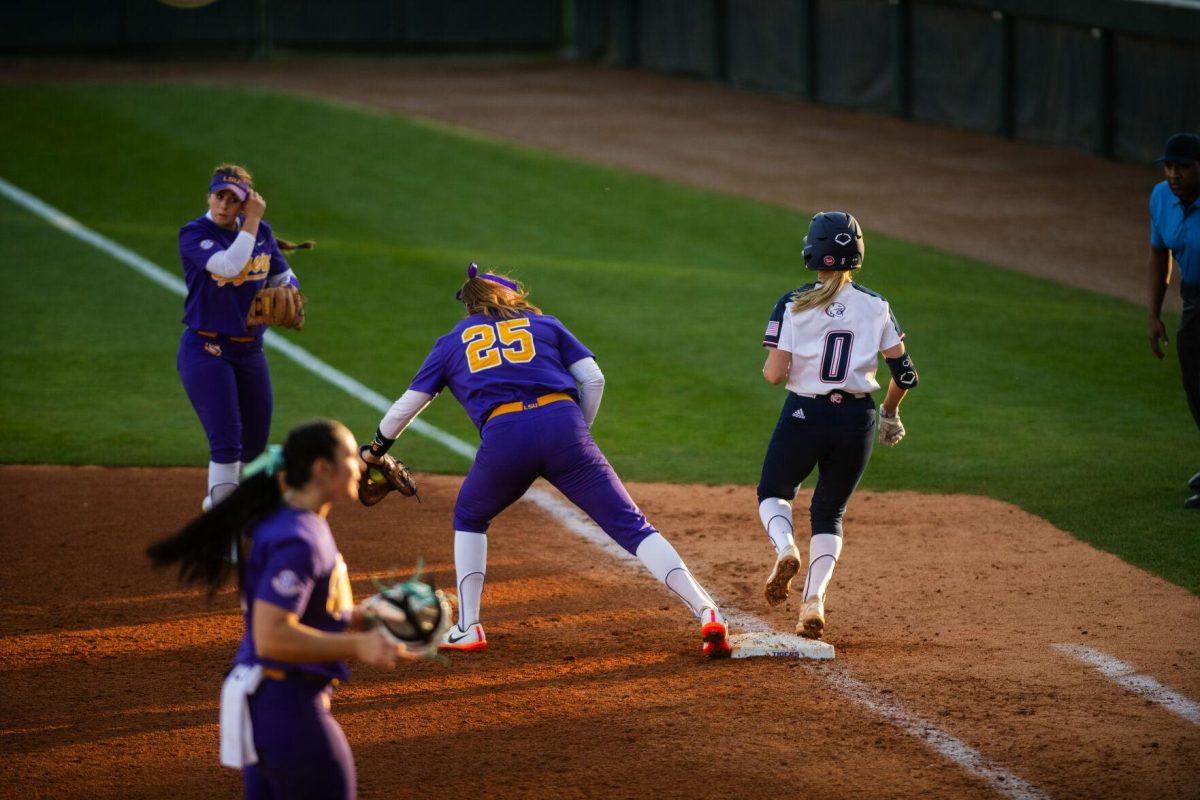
(533, 390)
(824, 339)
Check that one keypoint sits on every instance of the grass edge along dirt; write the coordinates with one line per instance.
(1032, 392)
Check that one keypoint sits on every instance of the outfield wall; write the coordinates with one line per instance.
(245, 27)
(1110, 77)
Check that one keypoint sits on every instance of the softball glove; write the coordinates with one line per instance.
(281, 306)
(381, 477)
(412, 613)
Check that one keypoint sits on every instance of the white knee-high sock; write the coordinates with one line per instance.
(776, 516)
(665, 564)
(824, 549)
(222, 480)
(470, 564)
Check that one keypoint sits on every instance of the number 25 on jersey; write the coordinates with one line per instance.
(515, 347)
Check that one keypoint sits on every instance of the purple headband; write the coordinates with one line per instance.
(237, 185)
(473, 272)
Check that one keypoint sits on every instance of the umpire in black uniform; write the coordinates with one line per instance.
(1175, 232)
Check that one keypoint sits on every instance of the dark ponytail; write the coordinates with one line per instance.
(288, 247)
(202, 548)
(242, 174)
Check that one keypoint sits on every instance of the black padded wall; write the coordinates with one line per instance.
(957, 63)
(766, 44)
(367, 22)
(1059, 84)
(679, 36)
(1157, 94)
(858, 48)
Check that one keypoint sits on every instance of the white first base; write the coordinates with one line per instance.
(778, 645)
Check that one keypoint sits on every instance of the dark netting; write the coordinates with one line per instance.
(957, 61)
(149, 23)
(1059, 73)
(515, 23)
(766, 42)
(679, 36)
(30, 25)
(590, 29)
(372, 22)
(622, 32)
(1157, 94)
(857, 53)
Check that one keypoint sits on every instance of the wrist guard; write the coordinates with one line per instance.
(380, 444)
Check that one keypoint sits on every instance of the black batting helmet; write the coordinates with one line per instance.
(834, 242)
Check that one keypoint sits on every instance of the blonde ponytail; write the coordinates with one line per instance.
(829, 283)
(481, 296)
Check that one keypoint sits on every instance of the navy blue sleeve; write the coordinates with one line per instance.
(771, 335)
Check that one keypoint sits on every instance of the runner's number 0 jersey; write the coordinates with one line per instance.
(835, 347)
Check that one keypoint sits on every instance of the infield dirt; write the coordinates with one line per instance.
(593, 685)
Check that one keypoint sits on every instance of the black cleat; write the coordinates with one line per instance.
(1194, 483)
(1192, 502)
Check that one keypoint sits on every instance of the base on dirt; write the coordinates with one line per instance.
(778, 645)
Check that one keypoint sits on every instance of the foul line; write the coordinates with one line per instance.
(941, 742)
(1126, 675)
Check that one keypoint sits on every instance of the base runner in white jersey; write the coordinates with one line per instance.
(824, 339)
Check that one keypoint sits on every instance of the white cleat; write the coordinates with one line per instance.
(779, 583)
(456, 638)
(715, 633)
(811, 624)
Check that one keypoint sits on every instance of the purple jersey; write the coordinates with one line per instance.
(221, 304)
(487, 362)
(295, 564)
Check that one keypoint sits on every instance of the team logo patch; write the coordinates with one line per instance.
(207, 244)
(829, 261)
(212, 349)
(835, 310)
(835, 398)
(842, 239)
(286, 584)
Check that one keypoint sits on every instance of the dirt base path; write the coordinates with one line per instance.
(593, 685)
(1047, 211)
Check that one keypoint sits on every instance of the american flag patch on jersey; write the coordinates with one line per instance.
(772, 328)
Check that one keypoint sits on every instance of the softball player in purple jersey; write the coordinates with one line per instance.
(824, 339)
(228, 255)
(299, 615)
(532, 389)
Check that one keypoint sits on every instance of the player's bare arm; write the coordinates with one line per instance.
(1159, 273)
(776, 367)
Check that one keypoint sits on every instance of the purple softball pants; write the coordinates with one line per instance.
(550, 442)
(230, 388)
(302, 752)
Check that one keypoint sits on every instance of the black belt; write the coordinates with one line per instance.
(835, 397)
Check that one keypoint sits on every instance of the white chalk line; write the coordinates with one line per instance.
(1127, 676)
(941, 742)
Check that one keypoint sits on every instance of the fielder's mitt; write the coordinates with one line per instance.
(389, 475)
(412, 613)
(279, 305)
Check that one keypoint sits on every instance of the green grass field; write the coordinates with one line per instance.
(1031, 392)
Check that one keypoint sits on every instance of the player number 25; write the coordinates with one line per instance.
(516, 344)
